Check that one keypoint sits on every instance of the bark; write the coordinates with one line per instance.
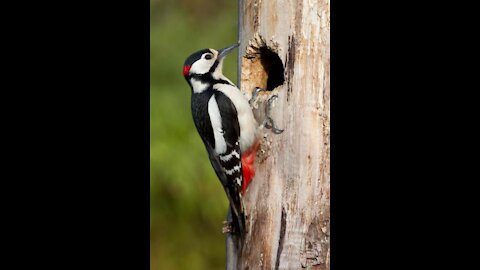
(288, 201)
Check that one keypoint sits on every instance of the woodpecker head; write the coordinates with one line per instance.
(206, 64)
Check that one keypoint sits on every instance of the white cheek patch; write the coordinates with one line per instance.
(202, 66)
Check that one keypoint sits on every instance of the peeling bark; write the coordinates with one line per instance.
(288, 201)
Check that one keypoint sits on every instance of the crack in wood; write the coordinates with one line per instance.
(283, 225)
(290, 64)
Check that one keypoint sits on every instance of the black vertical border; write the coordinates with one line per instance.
(77, 183)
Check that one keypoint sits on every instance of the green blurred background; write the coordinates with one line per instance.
(187, 202)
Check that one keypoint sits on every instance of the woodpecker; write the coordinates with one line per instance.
(226, 124)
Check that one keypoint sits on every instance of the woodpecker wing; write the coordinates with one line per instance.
(220, 131)
(230, 159)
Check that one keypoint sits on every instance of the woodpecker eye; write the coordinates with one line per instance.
(208, 56)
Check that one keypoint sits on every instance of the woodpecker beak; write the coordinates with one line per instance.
(223, 52)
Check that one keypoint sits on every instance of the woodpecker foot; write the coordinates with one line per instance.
(268, 122)
(255, 95)
(227, 227)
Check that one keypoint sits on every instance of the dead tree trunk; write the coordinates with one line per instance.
(285, 48)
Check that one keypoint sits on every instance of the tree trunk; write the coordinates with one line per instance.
(285, 48)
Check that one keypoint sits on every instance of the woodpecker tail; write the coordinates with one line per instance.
(238, 223)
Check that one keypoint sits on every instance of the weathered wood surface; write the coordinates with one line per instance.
(288, 201)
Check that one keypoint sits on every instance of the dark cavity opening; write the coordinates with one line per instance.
(273, 67)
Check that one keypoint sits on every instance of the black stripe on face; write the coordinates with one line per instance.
(214, 67)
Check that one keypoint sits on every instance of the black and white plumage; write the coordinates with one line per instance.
(224, 121)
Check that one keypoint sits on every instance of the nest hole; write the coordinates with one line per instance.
(262, 67)
(273, 66)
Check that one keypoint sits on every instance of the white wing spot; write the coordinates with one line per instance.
(216, 120)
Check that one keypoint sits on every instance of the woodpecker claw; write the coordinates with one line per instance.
(269, 123)
(255, 95)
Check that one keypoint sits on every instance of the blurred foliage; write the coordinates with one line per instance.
(187, 202)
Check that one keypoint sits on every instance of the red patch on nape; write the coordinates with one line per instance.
(186, 70)
(248, 171)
